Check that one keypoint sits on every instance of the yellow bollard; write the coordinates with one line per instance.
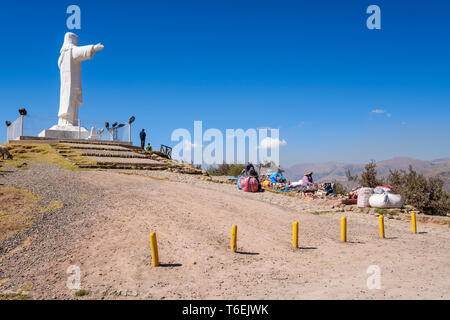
(344, 229)
(381, 223)
(233, 238)
(413, 222)
(295, 234)
(154, 247)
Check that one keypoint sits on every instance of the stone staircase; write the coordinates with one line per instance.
(105, 155)
(113, 155)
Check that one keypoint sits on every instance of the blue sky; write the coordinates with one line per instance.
(310, 68)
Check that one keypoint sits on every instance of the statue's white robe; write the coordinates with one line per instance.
(71, 96)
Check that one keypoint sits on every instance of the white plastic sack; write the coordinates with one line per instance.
(363, 197)
(378, 200)
(386, 200)
(381, 190)
(395, 200)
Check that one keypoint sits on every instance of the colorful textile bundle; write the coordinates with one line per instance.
(248, 184)
(252, 185)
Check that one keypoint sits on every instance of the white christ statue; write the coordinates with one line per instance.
(69, 64)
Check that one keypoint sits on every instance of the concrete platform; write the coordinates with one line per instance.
(32, 139)
(63, 134)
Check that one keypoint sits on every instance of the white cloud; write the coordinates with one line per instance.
(271, 143)
(381, 111)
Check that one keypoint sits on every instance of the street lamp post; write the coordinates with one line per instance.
(23, 113)
(130, 121)
(8, 123)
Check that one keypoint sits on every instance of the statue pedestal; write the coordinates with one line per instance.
(65, 132)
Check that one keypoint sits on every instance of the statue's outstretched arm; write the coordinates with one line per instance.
(86, 52)
(98, 47)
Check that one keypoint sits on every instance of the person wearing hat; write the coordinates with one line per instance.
(307, 179)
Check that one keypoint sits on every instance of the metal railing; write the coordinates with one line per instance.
(40, 126)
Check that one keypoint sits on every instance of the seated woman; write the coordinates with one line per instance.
(252, 173)
(307, 179)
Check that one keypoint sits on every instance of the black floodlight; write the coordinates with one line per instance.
(8, 123)
(121, 125)
(107, 125)
(22, 111)
(114, 124)
(131, 120)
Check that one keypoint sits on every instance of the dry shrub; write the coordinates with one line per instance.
(427, 195)
(226, 169)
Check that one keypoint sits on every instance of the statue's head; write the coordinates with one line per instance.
(70, 38)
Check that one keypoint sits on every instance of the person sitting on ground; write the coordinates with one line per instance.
(246, 170)
(249, 167)
(254, 174)
(148, 147)
(307, 179)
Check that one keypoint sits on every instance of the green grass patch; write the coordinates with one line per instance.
(19, 208)
(24, 153)
(81, 293)
(387, 211)
(37, 153)
(16, 206)
(52, 206)
(381, 211)
(14, 296)
(318, 213)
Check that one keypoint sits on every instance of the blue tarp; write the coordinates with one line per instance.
(273, 177)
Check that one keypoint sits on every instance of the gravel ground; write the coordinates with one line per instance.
(55, 234)
(104, 226)
(294, 203)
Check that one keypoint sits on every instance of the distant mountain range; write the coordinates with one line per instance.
(329, 171)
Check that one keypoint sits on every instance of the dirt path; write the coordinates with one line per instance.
(193, 225)
(193, 229)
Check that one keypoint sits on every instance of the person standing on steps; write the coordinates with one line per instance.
(142, 136)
